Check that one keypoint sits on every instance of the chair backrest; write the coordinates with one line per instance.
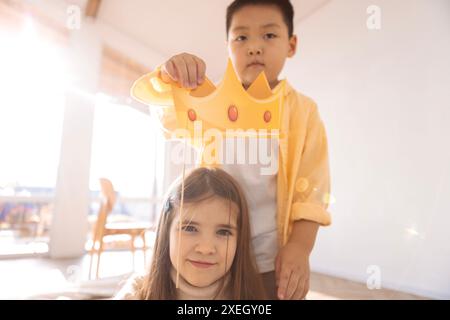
(108, 200)
(108, 193)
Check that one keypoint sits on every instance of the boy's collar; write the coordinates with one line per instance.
(287, 88)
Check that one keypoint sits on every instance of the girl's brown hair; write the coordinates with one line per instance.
(201, 184)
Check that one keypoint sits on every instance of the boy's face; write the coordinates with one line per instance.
(208, 241)
(258, 40)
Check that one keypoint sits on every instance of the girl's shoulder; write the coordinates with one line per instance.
(131, 288)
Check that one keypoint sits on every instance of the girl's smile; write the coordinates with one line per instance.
(201, 264)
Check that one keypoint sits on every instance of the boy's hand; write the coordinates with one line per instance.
(184, 68)
(292, 272)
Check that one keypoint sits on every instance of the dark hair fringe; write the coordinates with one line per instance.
(285, 6)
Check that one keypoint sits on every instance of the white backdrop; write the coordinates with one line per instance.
(384, 96)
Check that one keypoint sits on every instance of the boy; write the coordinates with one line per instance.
(260, 38)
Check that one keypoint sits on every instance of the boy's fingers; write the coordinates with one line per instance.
(292, 285)
(182, 72)
(277, 268)
(284, 280)
(192, 70)
(172, 71)
(306, 289)
(201, 70)
(164, 76)
(168, 72)
(298, 295)
(302, 292)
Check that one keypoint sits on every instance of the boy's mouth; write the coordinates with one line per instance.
(255, 64)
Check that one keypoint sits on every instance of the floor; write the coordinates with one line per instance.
(11, 243)
(43, 278)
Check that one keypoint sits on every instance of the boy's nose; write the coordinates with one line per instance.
(254, 51)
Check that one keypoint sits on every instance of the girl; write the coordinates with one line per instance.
(205, 253)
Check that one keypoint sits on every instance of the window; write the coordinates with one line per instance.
(125, 150)
(33, 81)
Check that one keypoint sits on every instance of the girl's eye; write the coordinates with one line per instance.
(224, 232)
(188, 228)
(241, 38)
(270, 35)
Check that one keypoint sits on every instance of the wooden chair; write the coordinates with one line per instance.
(103, 228)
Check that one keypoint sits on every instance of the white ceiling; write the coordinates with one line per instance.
(173, 26)
(168, 27)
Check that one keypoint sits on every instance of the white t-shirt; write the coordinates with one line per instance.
(255, 167)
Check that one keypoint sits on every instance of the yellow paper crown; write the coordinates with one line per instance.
(227, 107)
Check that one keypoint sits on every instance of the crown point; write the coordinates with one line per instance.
(267, 116)
(260, 88)
(232, 113)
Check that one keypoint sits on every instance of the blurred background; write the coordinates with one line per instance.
(83, 167)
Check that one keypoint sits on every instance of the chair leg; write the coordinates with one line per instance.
(133, 249)
(144, 248)
(100, 249)
(91, 254)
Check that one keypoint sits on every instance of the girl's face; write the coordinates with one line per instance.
(208, 240)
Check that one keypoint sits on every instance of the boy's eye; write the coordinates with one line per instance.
(188, 228)
(224, 232)
(270, 35)
(241, 38)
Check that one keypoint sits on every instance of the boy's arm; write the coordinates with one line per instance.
(312, 186)
(309, 211)
(312, 189)
(304, 234)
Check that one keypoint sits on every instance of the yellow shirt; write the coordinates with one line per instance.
(303, 181)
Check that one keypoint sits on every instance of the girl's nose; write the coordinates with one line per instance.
(205, 247)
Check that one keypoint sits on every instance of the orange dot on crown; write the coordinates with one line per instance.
(267, 116)
(192, 115)
(232, 113)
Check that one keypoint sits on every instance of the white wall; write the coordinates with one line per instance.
(384, 96)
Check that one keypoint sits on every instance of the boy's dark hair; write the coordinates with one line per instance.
(285, 7)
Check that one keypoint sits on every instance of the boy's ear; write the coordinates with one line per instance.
(292, 46)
